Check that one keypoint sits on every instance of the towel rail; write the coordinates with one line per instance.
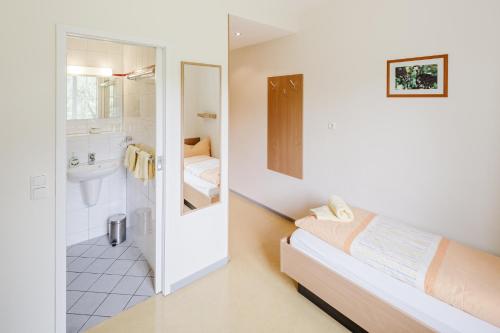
(151, 157)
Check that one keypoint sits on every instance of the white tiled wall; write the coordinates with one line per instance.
(82, 222)
(139, 96)
(141, 215)
(140, 124)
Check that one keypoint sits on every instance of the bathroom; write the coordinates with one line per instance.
(111, 107)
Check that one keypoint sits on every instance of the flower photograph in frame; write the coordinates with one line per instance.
(418, 77)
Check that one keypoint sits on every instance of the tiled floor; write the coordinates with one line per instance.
(103, 280)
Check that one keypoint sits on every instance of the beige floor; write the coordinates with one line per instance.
(248, 295)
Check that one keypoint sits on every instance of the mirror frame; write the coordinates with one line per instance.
(219, 67)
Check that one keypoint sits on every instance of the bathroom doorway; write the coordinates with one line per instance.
(110, 144)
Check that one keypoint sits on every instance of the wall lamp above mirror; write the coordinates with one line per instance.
(200, 117)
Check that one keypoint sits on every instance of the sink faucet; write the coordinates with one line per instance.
(91, 158)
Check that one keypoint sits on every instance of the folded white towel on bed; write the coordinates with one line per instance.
(324, 213)
(340, 209)
(336, 210)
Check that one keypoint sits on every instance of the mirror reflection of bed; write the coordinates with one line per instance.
(201, 174)
(201, 134)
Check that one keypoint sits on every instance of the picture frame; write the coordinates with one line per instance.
(418, 77)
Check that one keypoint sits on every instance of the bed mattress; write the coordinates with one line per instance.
(436, 314)
(202, 186)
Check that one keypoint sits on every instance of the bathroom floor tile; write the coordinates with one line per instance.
(103, 280)
(136, 300)
(74, 322)
(127, 243)
(146, 288)
(76, 250)
(132, 253)
(128, 285)
(69, 260)
(102, 240)
(113, 252)
(88, 303)
(89, 242)
(105, 283)
(120, 267)
(93, 321)
(112, 305)
(139, 268)
(80, 265)
(100, 265)
(95, 251)
(71, 297)
(70, 276)
(83, 281)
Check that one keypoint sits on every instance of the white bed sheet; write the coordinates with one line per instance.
(436, 314)
(207, 188)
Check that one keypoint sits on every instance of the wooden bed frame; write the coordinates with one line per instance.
(352, 306)
(193, 198)
(196, 198)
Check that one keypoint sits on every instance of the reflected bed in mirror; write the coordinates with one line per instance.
(201, 96)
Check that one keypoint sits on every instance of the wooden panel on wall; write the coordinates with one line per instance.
(284, 124)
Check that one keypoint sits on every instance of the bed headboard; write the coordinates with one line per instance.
(191, 141)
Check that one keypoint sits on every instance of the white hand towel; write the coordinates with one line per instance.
(142, 166)
(340, 209)
(131, 158)
(324, 213)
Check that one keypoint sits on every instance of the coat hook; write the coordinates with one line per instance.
(293, 84)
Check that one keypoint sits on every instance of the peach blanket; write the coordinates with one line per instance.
(459, 275)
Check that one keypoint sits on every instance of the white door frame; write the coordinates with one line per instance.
(165, 69)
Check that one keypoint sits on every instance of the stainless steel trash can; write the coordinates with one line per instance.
(117, 229)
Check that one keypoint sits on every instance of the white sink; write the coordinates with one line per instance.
(90, 177)
(86, 172)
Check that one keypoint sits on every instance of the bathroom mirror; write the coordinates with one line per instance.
(94, 97)
(201, 104)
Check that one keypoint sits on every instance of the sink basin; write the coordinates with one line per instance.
(98, 170)
(90, 178)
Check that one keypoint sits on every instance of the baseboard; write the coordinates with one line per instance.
(198, 275)
(286, 217)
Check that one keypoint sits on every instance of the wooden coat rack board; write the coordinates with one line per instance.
(284, 124)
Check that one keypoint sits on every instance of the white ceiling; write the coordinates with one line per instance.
(251, 32)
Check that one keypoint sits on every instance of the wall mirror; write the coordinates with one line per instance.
(94, 97)
(201, 104)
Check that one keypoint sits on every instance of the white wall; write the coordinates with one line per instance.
(433, 163)
(202, 94)
(83, 222)
(195, 31)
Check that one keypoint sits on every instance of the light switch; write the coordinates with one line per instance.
(37, 181)
(38, 193)
(332, 125)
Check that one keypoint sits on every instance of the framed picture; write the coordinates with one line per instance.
(418, 77)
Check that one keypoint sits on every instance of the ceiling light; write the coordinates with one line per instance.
(237, 34)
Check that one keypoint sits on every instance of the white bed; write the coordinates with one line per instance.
(436, 314)
(206, 188)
